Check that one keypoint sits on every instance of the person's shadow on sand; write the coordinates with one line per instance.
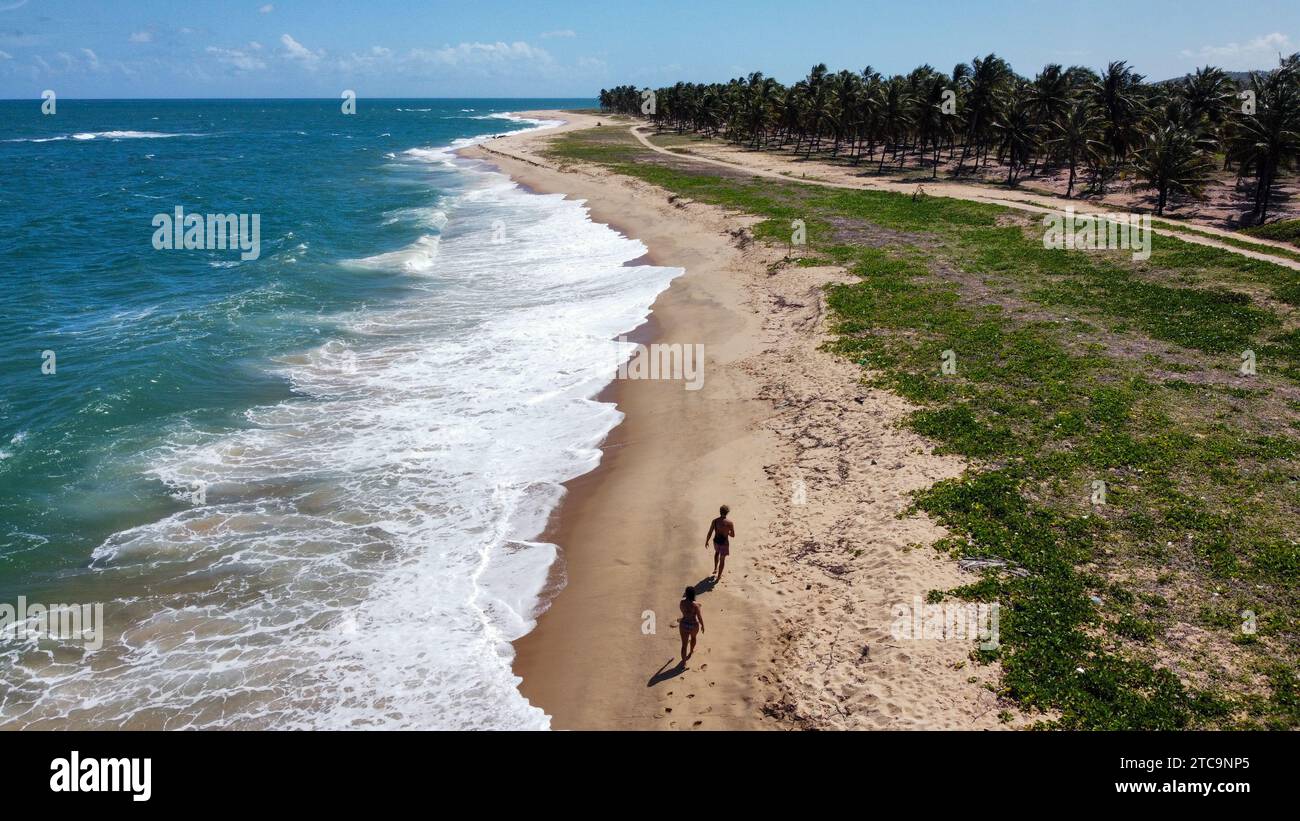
(665, 672)
(705, 585)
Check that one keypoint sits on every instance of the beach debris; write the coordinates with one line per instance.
(975, 563)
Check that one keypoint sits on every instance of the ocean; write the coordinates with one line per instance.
(306, 484)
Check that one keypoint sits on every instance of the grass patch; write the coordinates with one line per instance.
(1280, 231)
(1199, 476)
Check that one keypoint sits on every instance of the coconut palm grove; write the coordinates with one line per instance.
(1175, 139)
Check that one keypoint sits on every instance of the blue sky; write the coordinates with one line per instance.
(392, 48)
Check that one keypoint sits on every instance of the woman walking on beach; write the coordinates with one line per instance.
(722, 531)
(692, 622)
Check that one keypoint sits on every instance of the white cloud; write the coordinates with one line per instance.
(12, 6)
(1259, 53)
(565, 33)
(267, 9)
(4, 55)
(300, 53)
(472, 54)
(92, 58)
(238, 59)
(462, 61)
(142, 37)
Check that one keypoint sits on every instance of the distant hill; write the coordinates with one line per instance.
(1240, 77)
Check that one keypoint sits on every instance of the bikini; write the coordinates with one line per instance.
(688, 621)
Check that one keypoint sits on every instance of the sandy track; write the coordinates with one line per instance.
(812, 172)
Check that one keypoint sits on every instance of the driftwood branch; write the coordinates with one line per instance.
(974, 563)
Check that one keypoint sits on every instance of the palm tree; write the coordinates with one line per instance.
(933, 126)
(1050, 97)
(988, 75)
(1119, 97)
(1077, 136)
(1016, 125)
(1210, 95)
(895, 116)
(846, 87)
(1174, 160)
(817, 93)
(1269, 140)
(871, 101)
(762, 97)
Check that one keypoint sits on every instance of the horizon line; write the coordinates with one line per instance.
(257, 99)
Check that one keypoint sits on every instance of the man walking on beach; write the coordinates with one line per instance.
(721, 530)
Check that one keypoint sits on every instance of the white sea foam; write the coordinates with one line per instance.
(417, 258)
(85, 136)
(363, 553)
(429, 216)
(127, 135)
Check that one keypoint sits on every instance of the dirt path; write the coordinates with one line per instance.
(777, 167)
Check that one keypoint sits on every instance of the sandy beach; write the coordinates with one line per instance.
(816, 471)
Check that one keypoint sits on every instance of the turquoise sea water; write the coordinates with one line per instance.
(304, 485)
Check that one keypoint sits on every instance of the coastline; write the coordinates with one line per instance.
(792, 639)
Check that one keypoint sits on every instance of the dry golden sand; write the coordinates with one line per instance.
(797, 634)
